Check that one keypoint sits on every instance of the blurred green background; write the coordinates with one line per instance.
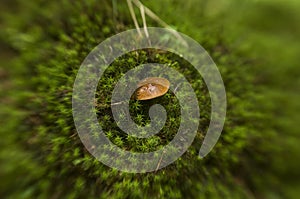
(255, 44)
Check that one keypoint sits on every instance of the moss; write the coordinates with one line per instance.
(47, 41)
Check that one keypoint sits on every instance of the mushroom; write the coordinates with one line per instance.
(152, 87)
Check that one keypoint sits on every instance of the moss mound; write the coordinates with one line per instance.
(42, 155)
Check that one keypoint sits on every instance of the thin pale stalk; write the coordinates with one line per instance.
(144, 23)
(160, 21)
(133, 17)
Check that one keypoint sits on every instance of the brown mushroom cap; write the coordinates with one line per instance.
(152, 87)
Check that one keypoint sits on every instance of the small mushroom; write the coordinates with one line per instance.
(152, 87)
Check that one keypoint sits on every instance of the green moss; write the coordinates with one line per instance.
(42, 155)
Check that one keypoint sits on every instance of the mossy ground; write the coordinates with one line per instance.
(43, 46)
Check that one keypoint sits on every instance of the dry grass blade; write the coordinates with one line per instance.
(157, 19)
(144, 20)
(133, 17)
